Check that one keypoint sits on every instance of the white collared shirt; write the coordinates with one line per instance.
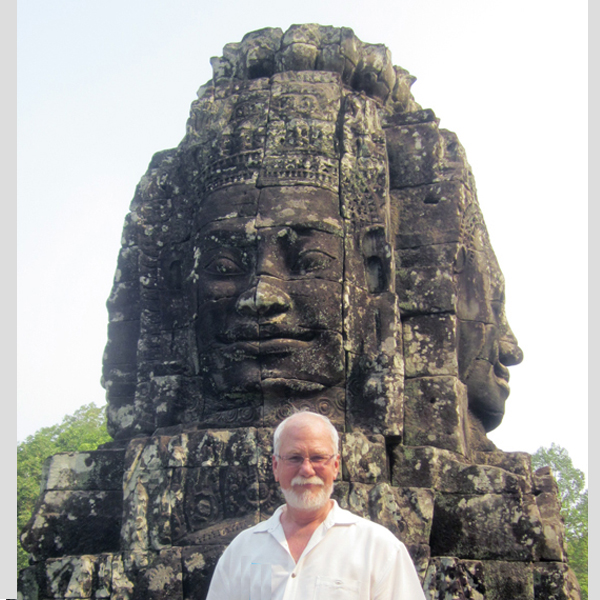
(347, 558)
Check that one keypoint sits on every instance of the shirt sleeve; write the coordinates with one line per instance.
(400, 580)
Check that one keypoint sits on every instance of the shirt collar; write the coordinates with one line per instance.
(339, 516)
(336, 516)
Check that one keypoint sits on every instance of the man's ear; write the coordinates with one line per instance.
(274, 466)
(337, 464)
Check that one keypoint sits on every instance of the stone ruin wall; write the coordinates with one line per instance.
(148, 515)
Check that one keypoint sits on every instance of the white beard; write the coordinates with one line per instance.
(300, 497)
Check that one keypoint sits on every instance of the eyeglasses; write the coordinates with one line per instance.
(297, 460)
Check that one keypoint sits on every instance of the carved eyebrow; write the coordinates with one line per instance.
(217, 233)
(326, 225)
(233, 225)
(302, 228)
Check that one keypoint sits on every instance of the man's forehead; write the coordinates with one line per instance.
(314, 443)
(309, 431)
(294, 206)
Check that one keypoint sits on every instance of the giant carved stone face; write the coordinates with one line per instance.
(269, 270)
(487, 346)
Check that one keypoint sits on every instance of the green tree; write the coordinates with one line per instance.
(574, 499)
(84, 430)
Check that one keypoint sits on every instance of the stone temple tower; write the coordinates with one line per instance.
(314, 243)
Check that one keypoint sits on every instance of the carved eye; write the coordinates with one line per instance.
(224, 265)
(312, 260)
(498, 307)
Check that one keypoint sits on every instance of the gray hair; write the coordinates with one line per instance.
(332, 430)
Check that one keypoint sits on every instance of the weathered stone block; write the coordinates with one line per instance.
(512, 580)
(178, 490)
(486, 527)
(425, 279)
(421, 467)
(123, 579)
(121, 347)
(162, 578)
(69, 577)
(360, 321)
(330, 402)
(453, 163)
(435, 413)
(364, 458)
(430, 343)
(449, 578)
(121, 418)
(555, 581)
(146, 454)
(451, 473)
(353, 497)
(74, 522)
(414, 152)
(199, 563)
(406, 512)
(120, 387)
(124, 301)
(127, 261)
(554, 545)
(147, 511)
(544, 482)
(375, 394)
(30, 582)
(428, 214)
(518, 463)
(94, 470)
(548, 501)
(283, 207)
(426, 290)
(442, 255)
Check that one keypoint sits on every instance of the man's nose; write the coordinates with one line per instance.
(306, 468)
(263, 299)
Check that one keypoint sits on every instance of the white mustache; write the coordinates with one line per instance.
(313, 480)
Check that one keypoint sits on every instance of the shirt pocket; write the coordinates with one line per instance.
(336, 588)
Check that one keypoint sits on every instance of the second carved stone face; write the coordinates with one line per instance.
(487, 346)
(269, 275)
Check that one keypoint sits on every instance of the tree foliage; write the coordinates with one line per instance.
(84, 430)
(574, 499)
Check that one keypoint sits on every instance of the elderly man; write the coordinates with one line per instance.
(310, 547)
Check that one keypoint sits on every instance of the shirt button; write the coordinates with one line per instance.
(293, 574)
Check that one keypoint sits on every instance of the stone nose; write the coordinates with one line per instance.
(510, 353)
(264, 299)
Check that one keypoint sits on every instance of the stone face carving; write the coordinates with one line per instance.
(487, 345)
(315, 242)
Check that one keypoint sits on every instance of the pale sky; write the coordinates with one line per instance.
(102, 86)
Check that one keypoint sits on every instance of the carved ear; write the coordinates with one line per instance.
(377, 256)
(174, 275)
(461, 260)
